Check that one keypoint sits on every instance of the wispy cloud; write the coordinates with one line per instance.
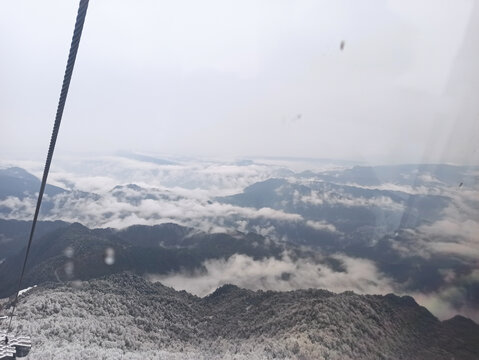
(280, 274)
(340, 198)
(449, 300)
(321, 225)
(457, 232)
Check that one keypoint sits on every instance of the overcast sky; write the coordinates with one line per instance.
(245, 78)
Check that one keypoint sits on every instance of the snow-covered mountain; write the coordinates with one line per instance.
(124, 316)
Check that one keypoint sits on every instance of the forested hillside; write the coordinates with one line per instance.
(124, 316)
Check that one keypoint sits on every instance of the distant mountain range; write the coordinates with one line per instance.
(412, 174)
(76, 252)
(63, 252)
(348, 208)
(19, 183)
(396, 217)
(124, 316)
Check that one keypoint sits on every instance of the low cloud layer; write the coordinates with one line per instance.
(283, 274)
(334, 199)
(457, 231)
(186, 193)
(135, 206)
(449, 300)
(183, 193)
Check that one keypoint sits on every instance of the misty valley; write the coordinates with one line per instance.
(248, 259)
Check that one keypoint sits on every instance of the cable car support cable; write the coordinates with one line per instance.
(80, 19)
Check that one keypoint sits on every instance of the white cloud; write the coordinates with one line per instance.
(218, 178)
(282, 274)
(321, 225)
(21, 209)
(457, 232)
(409, 189)
(127, 206)
(449, 300)
(330, 197)
(182, 193)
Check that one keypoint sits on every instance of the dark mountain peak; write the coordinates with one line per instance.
(127, 186)
(126, 276)
(266, 185)
(133, 187)
(130, 284)
(402, 300)
(76, 226)
(72, 231)
(465, 329)
(17, 182)
(152, 236)
(18, 173)
(461, 321)
(125, 279)
(228, 291)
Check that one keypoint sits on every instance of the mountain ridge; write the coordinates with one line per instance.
(232, 323)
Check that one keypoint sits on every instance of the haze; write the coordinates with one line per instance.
(245, 78)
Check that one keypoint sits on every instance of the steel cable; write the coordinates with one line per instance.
(80, 19)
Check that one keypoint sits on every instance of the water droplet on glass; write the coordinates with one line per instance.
(76, 283)
(69, 252)
(69, 268)
(109, 256)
